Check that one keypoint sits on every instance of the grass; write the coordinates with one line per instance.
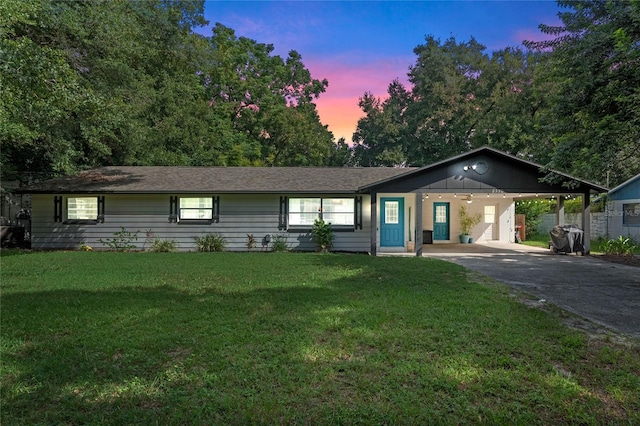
(538, 240)
(255, 338)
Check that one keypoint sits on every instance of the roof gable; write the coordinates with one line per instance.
(482, 169)
(628, 190)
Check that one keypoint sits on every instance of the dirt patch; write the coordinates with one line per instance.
(624, 260)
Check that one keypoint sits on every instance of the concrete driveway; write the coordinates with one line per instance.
(602, 292)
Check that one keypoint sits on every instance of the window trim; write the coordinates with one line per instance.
(284, 222)
(58, 210)
(174, 211)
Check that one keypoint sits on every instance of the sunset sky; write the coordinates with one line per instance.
(362, 46)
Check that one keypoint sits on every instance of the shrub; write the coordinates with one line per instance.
(122, 240)
(532, 211)
(322, 234)
(210, 242)
(163, 246)
(467, 220)
(251, 242)
(280, 243)
(619, 246)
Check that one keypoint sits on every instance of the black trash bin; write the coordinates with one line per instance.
(567, 239)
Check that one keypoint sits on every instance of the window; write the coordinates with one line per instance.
(196, 208)
(79, 210)
(338, 211)
(302, 212)
(631, 215)
(391, 211)
(82, 208)
(441, 215)
(489, 214)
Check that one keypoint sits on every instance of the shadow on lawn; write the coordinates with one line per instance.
(365, 347)
(137, 354)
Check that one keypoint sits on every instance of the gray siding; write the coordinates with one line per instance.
(615, 216)
(239, 215)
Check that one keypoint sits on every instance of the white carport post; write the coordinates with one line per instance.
(560, 210)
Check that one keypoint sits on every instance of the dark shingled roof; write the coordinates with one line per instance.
(170, 179)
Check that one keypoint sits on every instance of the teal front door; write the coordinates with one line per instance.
(391, 222)
(441, 221)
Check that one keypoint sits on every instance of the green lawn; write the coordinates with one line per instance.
(282, 338)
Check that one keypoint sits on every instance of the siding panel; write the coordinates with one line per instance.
(148, 216)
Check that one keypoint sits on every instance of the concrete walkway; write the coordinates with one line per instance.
(602, 292)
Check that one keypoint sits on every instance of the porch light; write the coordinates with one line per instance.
(455, 195)
(469, 199)
(469, 167)
(440, 196)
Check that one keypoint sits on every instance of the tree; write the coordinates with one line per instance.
(590, 90)
(461, 99)
(266, 98)
(123, 82)
(382, 137)
(85, 83)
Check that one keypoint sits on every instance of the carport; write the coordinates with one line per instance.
(421, 206)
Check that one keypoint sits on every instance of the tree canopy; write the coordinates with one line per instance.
(571, 103)
(123, 82)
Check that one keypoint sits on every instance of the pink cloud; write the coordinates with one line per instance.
(338, 106)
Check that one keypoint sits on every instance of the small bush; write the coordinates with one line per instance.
(280, 243)
(619, 246)
(322, 234)
(210, 243)
(84, 247)
(251, 242)
(163, 246)
(122, 240)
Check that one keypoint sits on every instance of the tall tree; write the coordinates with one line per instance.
(101, 82)
(81, 80)
(461, 98)
(382, 137)
(268, 99)
(450, 96)
(590, 90)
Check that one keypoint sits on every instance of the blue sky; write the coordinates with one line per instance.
(363, 45)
